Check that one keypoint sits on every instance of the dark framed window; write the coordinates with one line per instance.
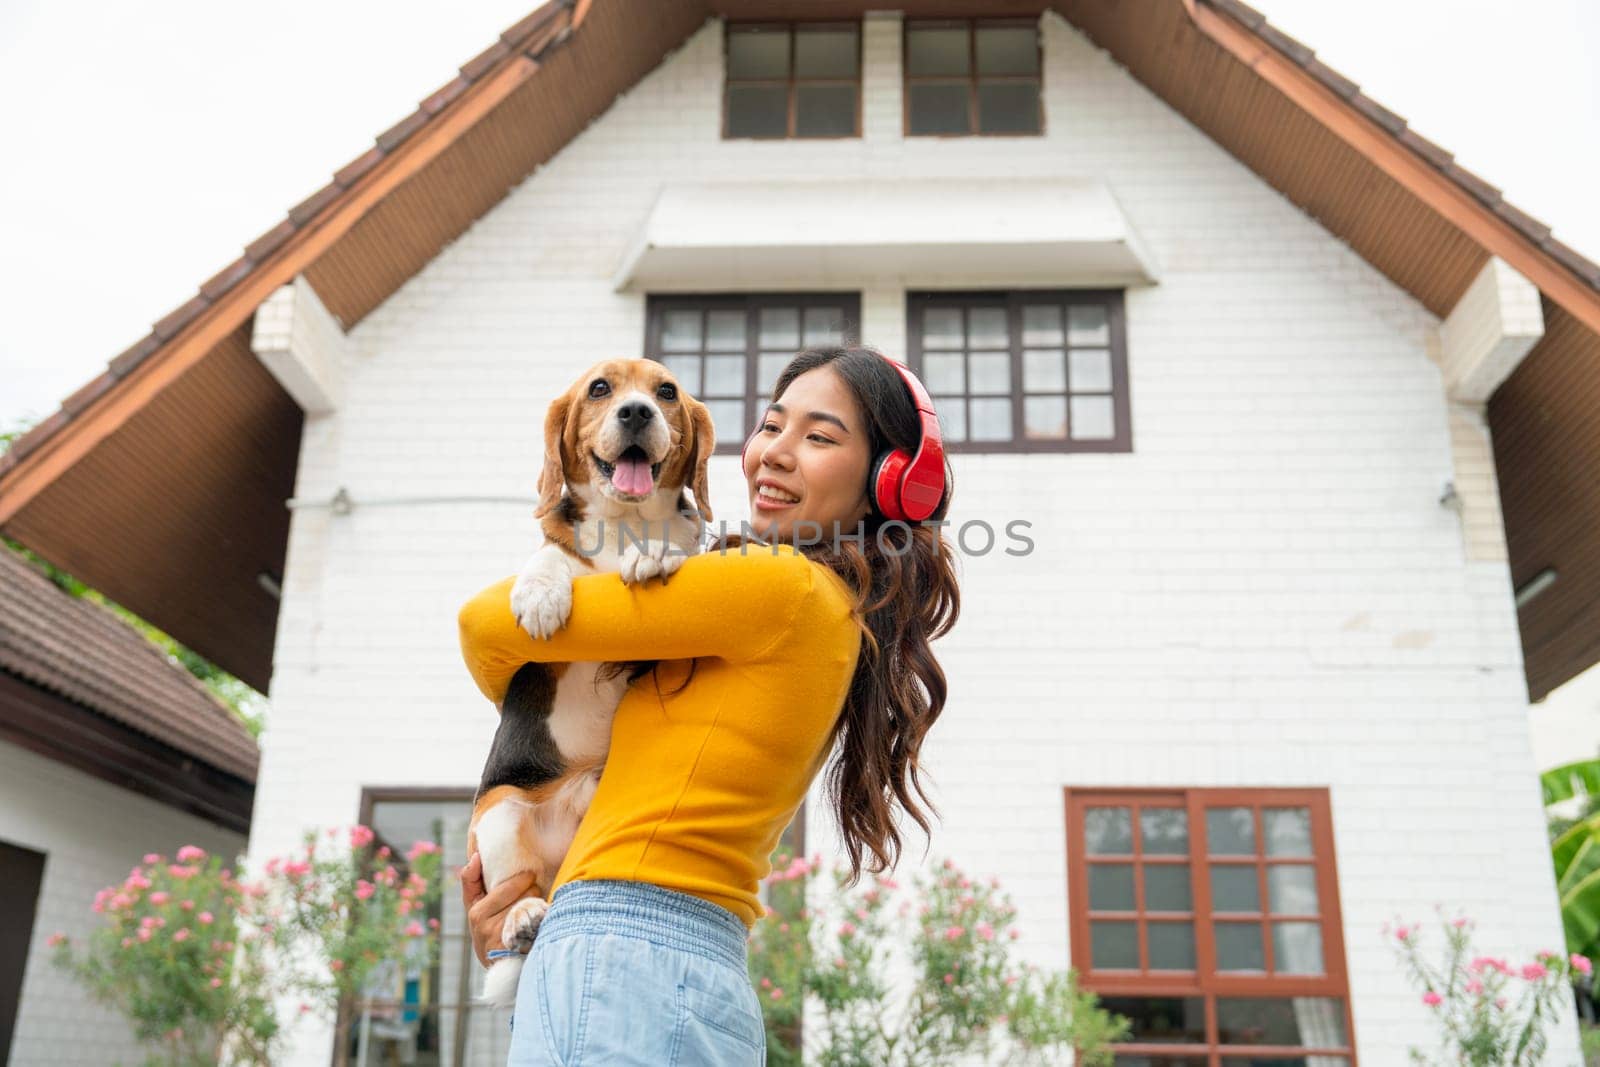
(1210, 918)
(787, 79)
(21, 873)
(1024, 371)
(429, 1012)
(728, 350)
(973, 76)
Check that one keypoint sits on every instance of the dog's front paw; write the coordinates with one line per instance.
(541, 600)
(522, 923)
(640, 562)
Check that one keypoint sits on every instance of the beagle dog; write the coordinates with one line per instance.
(621, 446)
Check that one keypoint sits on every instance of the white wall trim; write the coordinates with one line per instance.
(1494, 324)
(302, 344)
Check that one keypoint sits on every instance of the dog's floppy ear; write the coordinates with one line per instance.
(553, 478)
(705, 441)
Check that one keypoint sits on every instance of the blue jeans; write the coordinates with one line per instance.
(630, 973)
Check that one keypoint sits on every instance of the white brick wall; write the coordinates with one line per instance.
(1264, 592)
(92, 834)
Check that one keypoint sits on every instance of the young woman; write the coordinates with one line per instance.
(773, 658)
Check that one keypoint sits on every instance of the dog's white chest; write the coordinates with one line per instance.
(580, 719)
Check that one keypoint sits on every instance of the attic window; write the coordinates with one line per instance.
(793, 80)
(972, 77)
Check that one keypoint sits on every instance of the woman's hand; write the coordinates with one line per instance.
(486, 911)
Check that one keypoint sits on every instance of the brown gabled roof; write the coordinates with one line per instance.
(192, 394)
(78, 650)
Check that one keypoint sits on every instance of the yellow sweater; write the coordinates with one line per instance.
(699, 784)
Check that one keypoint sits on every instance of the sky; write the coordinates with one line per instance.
(150, 142)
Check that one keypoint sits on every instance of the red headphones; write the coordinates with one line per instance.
(904, 487)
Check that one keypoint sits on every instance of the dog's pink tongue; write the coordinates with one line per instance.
(632, 476)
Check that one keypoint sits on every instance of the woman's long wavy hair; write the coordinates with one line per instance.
(906, 596)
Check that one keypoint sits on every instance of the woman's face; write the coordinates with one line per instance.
(808, 460)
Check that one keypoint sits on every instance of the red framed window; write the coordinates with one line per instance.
(1210, 918)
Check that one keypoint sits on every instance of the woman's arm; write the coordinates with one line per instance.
(734, 606)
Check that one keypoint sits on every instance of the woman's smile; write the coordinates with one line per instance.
(807, 462)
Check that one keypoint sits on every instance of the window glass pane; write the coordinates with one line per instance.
(1292, 888)
(1166, 887)
(1093, 418)
(1239, 947)
(1234, 888)
(725, 331)
(780, 328)
(1044, 370)
(1139, 1059)
(936, 50)
(1111, 887)
(942, 372)
(1044, 418)
(1297, 948)
(1090, 370)
(725, 376)
(987, 328)
(1161, 1020)
(826, 53)
(1314, 1022)
(825, 111)
(952, 412)
(1171, 946)
(938, 108)
(1087, 325)
(444, 1019)
(1230, 832)
(770, 366)
(727, 418)
(758, 52)
(1164, 831)
(686, 369)
(989, 372)
(1008, 107)
(680, 331)
(824, 326)
(1287, 830)
(1008, 50)
(941, 328)
(1041, 325)
(1281, 1061)
(1108, 831)
(758, 111)
(1113, 944)
(991, 420)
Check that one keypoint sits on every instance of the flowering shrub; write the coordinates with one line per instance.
(963, 994)
(1491, 1013)
(198, 959)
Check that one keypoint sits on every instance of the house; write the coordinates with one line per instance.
(1295, 406)
(107, 751)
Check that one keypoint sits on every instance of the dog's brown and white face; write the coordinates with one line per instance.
(625, 431)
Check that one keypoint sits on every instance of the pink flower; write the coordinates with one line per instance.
(187, 905)
(1474, 986)
(297, 868)
(1534, 971)
(216, 983)
(361, 836)
(189, 853)
(127, 942)
(839, 962)
(766, 983)
(953, 933)
(433, 924)
(383, 852)
(336, 966)
(152, 857)
(143, 934)
(985, 931)
(205, 918)
(1403, 932)
(888, 883)
(272, 865)
(1581, 964)
(1459, 923)
(1015, 934)
(421, 848)
(777, 994)
(182, 873)
(158, 898)
(364, 889)
(949, 979)
(1431, 999)
(1500, 1002)
(55, 939)
(413, 929)
(180, 935)
(847, 929)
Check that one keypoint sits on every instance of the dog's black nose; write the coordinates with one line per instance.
(634, 416)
